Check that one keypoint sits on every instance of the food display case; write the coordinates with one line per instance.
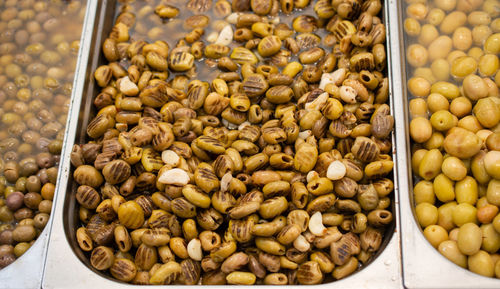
(421, 65)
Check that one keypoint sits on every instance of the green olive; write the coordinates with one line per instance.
(469, 239)
(437, 101)
(430, 165)
(435, 234)
(461, 106)
(420, 129)
(493, 192)
(463, 66)
(440, 47)
(444, 188)
(454, 168)
(435, 142)
(412, 26)
(482, 264)
(491, 239)
(416, 159)
(416, 55)
(492, 44)
(464, 213)
(418, 107)
(436, 15)
(419, 86)
(478, 170)
(445, 215)
(450, 250)
(462, 143)
(462, 38)
(496, 223)
(488, 64)
(475, 87)
(427, 214)
(423, 192)
(476, 53)
(428, 33)
(441, 69)
(442, 120)
(466, 190)
(487, 112)
(447, 89)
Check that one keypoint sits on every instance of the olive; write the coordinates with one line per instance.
(14, 201)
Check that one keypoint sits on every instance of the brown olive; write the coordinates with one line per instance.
(23, 213)
(23, 233)
(6, 237)
(14, 201)
(45, 160)
(33, 184)
(32, 200)
(6, 260)
(41, 220)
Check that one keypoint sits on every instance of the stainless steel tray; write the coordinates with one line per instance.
(27, 271)
(423, 266)
(67, 267)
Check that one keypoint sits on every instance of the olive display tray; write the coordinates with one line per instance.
(27, 271)
(67, 267)
(423, 266)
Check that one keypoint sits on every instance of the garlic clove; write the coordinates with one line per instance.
(316, 224)
(175, 176)
(225, 36)
(336, 170)
(170, 157)
(194, 250)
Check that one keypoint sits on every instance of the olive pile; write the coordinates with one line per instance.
(238, 143)
(39, 41)
(455, 113)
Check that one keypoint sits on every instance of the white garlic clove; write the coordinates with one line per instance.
(316, 224)
(318, 103)
(194, 250)
(170, 157)
(175, 177)
(301, 244)
(305, 134)
(336, 170)
(348, 94)
(233, 17)
(229, 125)
(243, 125)
(339, 76)
(311, 176)
(225, 36)
(326, 78)
(225, 181)
(127, 87)
(212, 37)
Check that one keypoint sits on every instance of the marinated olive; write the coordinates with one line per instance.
(38, 43)
(232, 172)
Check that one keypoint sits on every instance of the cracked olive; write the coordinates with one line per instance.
(218, 147)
